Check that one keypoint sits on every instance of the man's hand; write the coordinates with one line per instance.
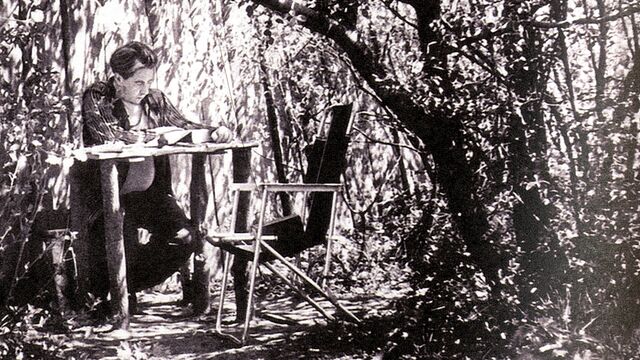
(148, 136)
(136, 136)
(222, 135)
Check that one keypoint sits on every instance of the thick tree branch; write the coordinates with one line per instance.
(437, 127)
(390, 92)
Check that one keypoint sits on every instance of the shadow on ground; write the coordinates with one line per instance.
(163, 331)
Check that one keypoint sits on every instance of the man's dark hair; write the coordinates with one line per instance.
(124, 58)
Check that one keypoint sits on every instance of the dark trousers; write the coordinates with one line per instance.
(149, 263)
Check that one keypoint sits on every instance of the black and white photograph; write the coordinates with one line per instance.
(319, 179)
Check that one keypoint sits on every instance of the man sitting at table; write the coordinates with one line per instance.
(121, 109)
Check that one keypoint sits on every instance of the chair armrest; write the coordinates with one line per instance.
(243, 187)
(276, 187)
(237, 237)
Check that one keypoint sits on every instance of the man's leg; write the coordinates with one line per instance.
(170, 242)
(131, 242)
(99, 277)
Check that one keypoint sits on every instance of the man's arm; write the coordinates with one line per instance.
(173, 117)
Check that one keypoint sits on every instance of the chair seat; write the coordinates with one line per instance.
(286, 235)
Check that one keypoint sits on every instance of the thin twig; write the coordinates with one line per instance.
(270, 159)
(375, 198)
(395, 12)
(387, 142)
(586, 21)
(7, 19)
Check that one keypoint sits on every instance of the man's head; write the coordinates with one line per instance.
(134, 68)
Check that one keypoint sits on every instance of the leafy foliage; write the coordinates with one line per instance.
(32, 133)
(535, 113)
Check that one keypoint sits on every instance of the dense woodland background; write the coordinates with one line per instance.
(493, 164)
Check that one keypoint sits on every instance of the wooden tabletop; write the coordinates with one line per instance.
(129, 151)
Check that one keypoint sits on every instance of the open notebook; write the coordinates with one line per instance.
(169, 134)
(165, 135)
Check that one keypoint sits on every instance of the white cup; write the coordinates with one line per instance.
(200, 136)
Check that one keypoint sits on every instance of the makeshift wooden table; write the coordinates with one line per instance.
(108, 156)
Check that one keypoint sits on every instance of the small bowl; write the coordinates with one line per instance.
(200, 136)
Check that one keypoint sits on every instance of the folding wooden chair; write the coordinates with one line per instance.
(275, 242)
(288, 236)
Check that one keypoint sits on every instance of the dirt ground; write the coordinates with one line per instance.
(165, 331)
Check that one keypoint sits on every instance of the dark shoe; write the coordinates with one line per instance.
(182, 237)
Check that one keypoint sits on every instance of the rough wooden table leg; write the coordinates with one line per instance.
(114, 242)
(79, 219)
(186, 280)
(198, 189)
(60, 274)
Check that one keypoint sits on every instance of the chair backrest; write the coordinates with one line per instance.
(326, 159)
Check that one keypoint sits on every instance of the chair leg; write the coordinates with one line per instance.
(299, 292)
(225, 278)
(255, 264)
(252, 286)
(310, 282)
(327, 260)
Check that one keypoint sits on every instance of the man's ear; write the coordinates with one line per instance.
(118, 79)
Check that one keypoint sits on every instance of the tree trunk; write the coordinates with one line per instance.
(543, 263)
(24, 44)
(599, 59)
(274, 135)
(151, 10)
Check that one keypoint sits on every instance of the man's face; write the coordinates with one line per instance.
(136, 87)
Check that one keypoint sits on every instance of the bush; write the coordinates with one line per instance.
(32, 133)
